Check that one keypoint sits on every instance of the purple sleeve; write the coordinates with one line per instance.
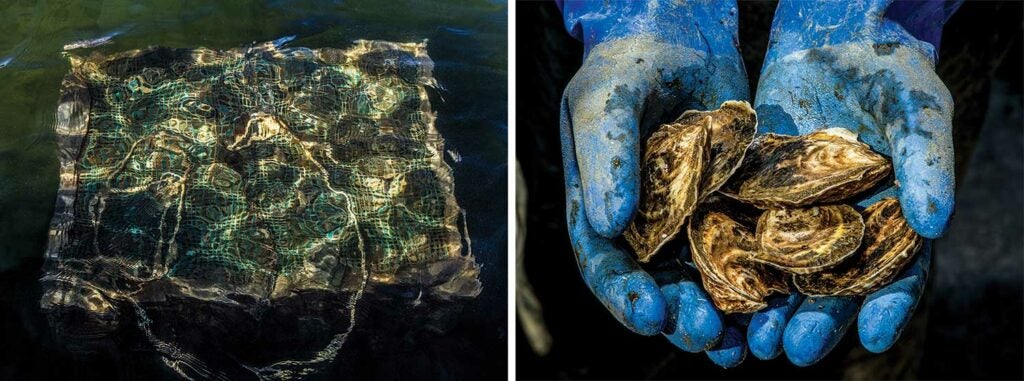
(924, 19)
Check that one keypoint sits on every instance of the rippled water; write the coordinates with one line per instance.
(467, 42)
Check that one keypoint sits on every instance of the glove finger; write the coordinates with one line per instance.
(731, 350)
(604, 116)
(764, 335)
(816, 328)
(887, 311)
(922, 153)
(694, 324)
(629, 293)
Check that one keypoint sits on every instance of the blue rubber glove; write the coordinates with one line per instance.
(870, 68)
(644, 64)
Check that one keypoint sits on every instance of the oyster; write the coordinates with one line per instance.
(732, 128)
(674, 162)
(889, 244)
(821, 167)
(806, 240)
(723, 251)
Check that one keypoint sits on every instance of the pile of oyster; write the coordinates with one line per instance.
(764, 211)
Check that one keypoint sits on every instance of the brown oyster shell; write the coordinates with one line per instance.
(821, 167)
(889, 244)
(810, 239)
(732, 128)
(670, 179)
(723, 250)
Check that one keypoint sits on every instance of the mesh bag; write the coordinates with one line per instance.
(194, 180)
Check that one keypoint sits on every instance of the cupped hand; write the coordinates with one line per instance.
(625, 88)
(879, 82)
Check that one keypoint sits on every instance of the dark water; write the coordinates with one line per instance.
(467, 41)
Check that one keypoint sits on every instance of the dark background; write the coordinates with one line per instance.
(968, 325)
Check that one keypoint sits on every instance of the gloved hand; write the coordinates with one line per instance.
(644, 63)
(870, 68)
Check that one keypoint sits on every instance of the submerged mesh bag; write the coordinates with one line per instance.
(203, 183)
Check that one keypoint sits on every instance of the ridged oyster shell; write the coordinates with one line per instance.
(889, 244)
(825, 166)
(670, 183)
(809, 239)
(723, 251)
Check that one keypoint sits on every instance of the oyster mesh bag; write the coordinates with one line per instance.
(247, 188)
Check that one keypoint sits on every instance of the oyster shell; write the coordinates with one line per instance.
(723, 251)
(732, 128)
(674, 162)
(889, 244)
(810, 239)
(821, 167)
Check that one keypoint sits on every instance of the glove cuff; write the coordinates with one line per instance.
(709, 26)
(801, 25)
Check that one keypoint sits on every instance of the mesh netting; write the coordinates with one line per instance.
(258, 171)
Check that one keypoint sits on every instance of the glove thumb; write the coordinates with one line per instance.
(604, 115)
(922, 153)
